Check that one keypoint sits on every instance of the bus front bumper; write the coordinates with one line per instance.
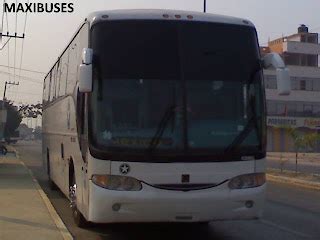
(157, 205)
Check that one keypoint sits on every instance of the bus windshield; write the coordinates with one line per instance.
(176, 87)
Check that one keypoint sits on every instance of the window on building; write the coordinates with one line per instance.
(313, 38)
(303, 60)
(312, 60)
(271, 108)
(281, 109)
(316, 84)
(299, 110)
(316, 110)
(307, 110)
(291, 59)
(294, 83)
(291, 109)
(309, 84)
(303, 85)
(271, 82)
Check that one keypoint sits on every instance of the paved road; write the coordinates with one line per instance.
(302, 167)
(291, 214)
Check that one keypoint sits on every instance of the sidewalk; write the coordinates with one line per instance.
(25, 211)
(305, 180)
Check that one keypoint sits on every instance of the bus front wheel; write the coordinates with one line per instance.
(78, 218)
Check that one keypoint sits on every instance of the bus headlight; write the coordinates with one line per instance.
(247, 181)
(118, 183)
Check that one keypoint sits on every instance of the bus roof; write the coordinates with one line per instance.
(157, 14)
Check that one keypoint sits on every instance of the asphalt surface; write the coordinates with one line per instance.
(291, 213)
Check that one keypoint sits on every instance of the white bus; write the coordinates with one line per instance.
(159, 116)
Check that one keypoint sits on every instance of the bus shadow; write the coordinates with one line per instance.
(156, 231)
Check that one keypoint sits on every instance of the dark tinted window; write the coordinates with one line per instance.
(144, 70)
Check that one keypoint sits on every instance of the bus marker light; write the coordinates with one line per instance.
(165, 15)
(178, 16)
(190, 17)
(249, 204)
(116, 207)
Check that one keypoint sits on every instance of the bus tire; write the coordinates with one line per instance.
(78, 218)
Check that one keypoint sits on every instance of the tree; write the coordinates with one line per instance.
(37, 133)
(24, 131)
(311, 140)
(298, 141)
(14, 118)
(302, 141)
(31, 110)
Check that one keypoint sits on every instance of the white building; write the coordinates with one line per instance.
(301, 109)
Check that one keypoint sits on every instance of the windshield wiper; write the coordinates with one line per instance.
(161, 128)
(252, 123)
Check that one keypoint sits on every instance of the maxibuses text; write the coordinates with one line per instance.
(38, 7)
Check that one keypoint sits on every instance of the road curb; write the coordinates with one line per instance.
(66, 235)
(294, 181)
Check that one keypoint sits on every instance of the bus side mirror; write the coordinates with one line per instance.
(85, 78)
(273, 60)
(85, 71)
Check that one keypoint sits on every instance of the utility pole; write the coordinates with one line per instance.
(205, 6)
(5, 88)
(3, 112)
(9, 36)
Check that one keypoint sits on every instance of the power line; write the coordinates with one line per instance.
(7, 42)
(7, 20)
(2, 16)
(27, 93)
(6, 17)
(22, 48)
(23, 78)
(15, 43)
(25, 70)
(9, 60)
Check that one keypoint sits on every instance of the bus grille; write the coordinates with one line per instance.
(185, 187)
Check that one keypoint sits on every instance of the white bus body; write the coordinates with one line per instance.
(180, 188)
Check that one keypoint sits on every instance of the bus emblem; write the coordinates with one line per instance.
(185, 178)
(124, 168)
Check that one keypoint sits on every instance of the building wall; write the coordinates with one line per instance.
(294, 38)
(301, 109)
(276, 46)
(301, 47)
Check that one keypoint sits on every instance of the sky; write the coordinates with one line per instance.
(48, 34)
